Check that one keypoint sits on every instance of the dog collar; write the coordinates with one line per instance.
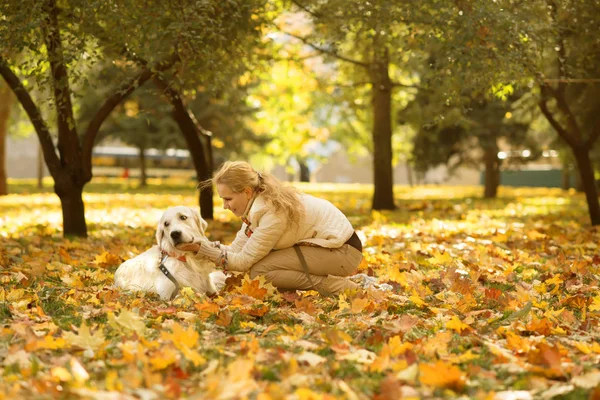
(164, 253)
(169, 275)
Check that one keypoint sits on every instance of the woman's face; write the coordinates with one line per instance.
(234, 202)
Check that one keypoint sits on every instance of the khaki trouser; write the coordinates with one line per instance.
(328, 268)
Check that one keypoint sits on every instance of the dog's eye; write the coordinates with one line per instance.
(182, 217)
(166, 223)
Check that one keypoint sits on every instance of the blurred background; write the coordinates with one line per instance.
(341, 91)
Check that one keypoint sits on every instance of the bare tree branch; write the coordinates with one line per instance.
(34, 114)
(306, 9)
(543, 104)
(326, 51)
(124, 90)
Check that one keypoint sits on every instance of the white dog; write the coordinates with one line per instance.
(164, 268)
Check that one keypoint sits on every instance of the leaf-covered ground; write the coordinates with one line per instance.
(493, 299)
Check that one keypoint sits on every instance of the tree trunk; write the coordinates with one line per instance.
(6, 100)
(566, 176)
(304, 171)
(578, 184)
(383, 179)
(194, 135)
(492, 172)
(143, 174)
(73, 210)
(40, 167)
(409, 175)
(71, 168)
(586, 173)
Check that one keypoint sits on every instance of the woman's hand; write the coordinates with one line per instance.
(192, 247)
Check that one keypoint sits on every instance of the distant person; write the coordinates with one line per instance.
(125, 173)
(296, 241)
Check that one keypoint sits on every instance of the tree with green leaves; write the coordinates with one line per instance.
(61, 41)
(376, 42)
(466, 136)
(550, 46)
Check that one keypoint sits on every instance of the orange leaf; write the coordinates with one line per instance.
(390, 389)
(253, 289)
(359, 304)
(441, 375)
(306, 305)
(65, 255)
(224, 318)
(206, 309)
(257, 311)
(541, 326)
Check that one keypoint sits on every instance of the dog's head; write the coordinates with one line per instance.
(179, 225)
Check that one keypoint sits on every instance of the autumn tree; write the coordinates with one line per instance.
(289, 101)
(58, 42)
(376, 40)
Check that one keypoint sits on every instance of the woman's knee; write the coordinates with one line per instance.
(254, 272)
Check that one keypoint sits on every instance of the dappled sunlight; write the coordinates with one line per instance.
(503, 279)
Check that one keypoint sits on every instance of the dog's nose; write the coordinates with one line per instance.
(176, 235)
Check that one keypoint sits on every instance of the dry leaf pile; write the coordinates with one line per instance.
(491, 300)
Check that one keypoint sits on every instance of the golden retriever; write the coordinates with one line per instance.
(164, 268)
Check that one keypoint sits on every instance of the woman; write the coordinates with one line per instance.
(296, 241)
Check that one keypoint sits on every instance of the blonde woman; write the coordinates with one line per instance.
(296, 241)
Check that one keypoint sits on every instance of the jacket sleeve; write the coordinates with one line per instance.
(264, 237)
(238, 243)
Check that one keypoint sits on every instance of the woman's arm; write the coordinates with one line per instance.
(261, 241)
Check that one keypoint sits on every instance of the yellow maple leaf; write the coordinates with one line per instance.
(595, 306)
(440, 258)
(457, 325)
(84, 338)
(48, 342)
(342, 303)
(181, 337)
(193, 356)
(397, 347)
(416, 299)
(394, 274)
(107, 259)
(517, 343)
(127, 321)
(162, 359)
(462, 358)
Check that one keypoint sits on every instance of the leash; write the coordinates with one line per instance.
(168, 274)
(305, 267)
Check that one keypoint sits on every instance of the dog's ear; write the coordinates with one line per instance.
(199, 220)
(159, 232)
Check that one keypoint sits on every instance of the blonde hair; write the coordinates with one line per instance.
(238, 175)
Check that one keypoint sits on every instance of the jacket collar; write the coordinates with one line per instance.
(248, 208)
